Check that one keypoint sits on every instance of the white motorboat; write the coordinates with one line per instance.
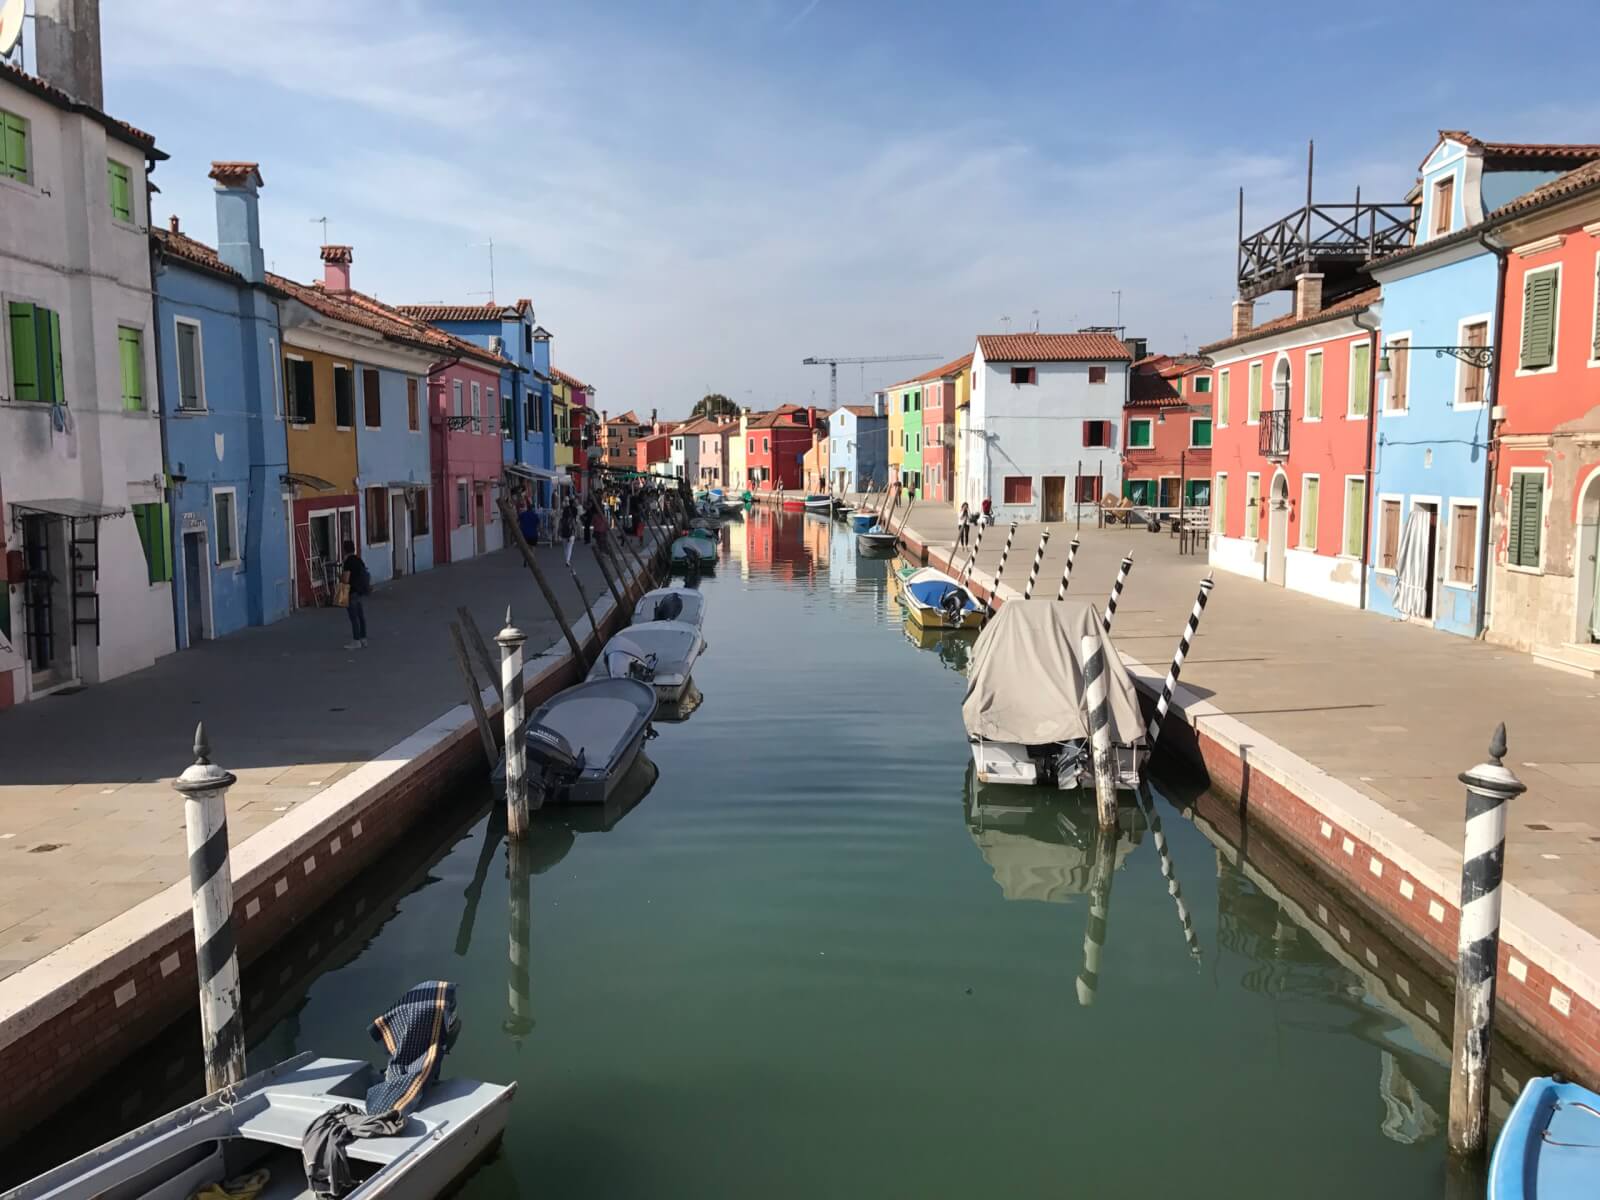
(660, 653)
(687, 605)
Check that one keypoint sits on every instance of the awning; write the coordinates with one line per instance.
(76, 509)
(528, 471)
(407, 485)
(310, 481)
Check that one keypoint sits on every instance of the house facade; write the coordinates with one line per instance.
(583, 434)
(685, 455)
(775, 445)
(1166, 433)
(857, 441)
(816, 464)
(84, 522)
(714, 433)
(905, 433)
(621, 436)
(222, 408)
(945, 390)
(467, 458)
(1044, 423)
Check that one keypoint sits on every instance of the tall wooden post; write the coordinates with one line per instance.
(544, 584)
(511, 640)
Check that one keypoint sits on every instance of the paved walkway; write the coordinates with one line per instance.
(89, 825)
(1392, 709)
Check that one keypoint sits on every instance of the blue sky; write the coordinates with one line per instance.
(698, 194)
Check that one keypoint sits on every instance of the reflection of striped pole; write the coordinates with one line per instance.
(519, 927)
(1116, 592)
(204, 787)
(1489, 786)
(510, 640)
(977, 545)
(1066, 573)
(994, 586)
(1097, 696)
(1173, 671)
(1038, 560)
(1094, 933)
(1164, 857)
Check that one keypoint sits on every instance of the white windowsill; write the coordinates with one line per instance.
(1523, 570)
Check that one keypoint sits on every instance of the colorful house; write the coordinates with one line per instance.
(1166, 434)
(1544, 538)
(222, 408)
(620, 439)
(561, 427)
(653, 452)
(735, 469)
(858, 445)
(905, 434)
(467, 458)
(714, 433)
(945, 388)
(1043, 423)
(775, 445)
(816, 464)
(583, 433)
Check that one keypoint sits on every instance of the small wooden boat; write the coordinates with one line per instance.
(258, 1125)
(582, 741)
(862, 520)
(1549, 1147)
(794, 503)
(660, 653)
(694, 552)
(934, 600)
(1026, 717)
(687, 605)
(878, 542)
(818, 502)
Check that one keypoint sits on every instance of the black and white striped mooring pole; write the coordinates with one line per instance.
(204, 787)
(1038, 561)
(977, 544)
(1066, 572)
(1097, 700)
(1116, 592)
(1176, 669)
(510, 640)
(994, 585)
(1489, 786)
(1094, 930)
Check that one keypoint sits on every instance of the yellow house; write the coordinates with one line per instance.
(894, 402)
(561, 421)
(736, 453)
(958, 457)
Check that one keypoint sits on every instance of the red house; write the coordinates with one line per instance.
(1166, 432)
(464, 418)
(653, 448)
(939, 400)
(775, 444)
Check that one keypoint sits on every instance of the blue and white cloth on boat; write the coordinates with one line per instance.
(417, 1032)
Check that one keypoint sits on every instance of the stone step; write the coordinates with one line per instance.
(1572, 657)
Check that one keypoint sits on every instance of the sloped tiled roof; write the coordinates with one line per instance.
(120, 130)
(1349, 306)
(627, 418)
(182, 246)
(1572, 183)
(864, 410)
(356, 308)
(464, 312)
(1571, 152)
(1151, 382)
(569, 380)
(782, 415)
(1052, 347)
(954, 366)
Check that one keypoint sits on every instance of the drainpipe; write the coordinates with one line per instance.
(173, 536)
(1372, 425)
(1490, 454)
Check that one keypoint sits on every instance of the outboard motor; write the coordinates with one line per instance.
(552, 762)
(620, 664)
(669, 607)
(953, 605)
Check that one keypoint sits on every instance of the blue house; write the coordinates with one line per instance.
(222, 417)
(1440, 306)
(858, 446)
(525, 412)
(393, 461)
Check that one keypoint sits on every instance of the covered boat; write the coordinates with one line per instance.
(934, 600)
(1549, 1147)
(694, 552)
(671, 604)
(660, 653)
(878, 542)
(1025, 710)
(583, 740)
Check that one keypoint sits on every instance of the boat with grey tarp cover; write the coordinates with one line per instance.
(660, 653)
(687, 605)
(582, 741)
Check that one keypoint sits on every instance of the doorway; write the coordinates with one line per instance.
(1588, 563)
(1055, 498)
(1430, 510)
(47, 597)
(480, 518)
(399, 535)
(1278, 530)
(322, 556)
(196, 588)
(1169, 491)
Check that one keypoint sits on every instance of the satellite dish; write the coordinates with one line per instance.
(10, 26)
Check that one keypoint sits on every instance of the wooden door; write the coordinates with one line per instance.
(1055, 498)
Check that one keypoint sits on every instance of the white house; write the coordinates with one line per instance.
(83, 519)
(685, 457)
(1043, 423)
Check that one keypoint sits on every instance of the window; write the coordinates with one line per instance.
(1594, 342)
(155, 535)
(225, 519)
(507, 416)
(1388, 534)
(916, 402)
(1140, 433)
(302, 398)
(14, 147)
(1017, 489)
(1314, 385)
(1137, 491)
(1444, 200)
(372, 400)
(1202, 385)
(463, 510)
(377, 516)
(35, 355)
(456, 409)
(1222, 400)
(1399, 375)
(419, 512)
(1177, 385)
(1219, 507)
(119, 195)
(1463, 543)
(1199, 433)
(1355, 514)
(1539, 319)
(527, 339)
(766, 445)
(344, 398)
(1360, 379)
(1310, 489)
(277, 377)
(477, 407)
(1527, 519)
(1097, 433)
(413, 407)
(1252, 412)
(1024, 375)
(191, 367)
(1086, 489)
(1252, 505)
(1475, 334)
(130, 358)
(1098, 375)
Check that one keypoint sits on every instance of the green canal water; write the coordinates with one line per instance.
(811, 961)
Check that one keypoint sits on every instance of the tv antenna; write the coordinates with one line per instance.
(1006, 321)
(323, 221)
(1036, 320)
(479, 246)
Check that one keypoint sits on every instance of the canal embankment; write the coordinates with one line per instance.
(337, 753)
(1345, 733)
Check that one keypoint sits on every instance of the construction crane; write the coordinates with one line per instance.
(833, 368)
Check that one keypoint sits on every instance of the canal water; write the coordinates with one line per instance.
(813, 960)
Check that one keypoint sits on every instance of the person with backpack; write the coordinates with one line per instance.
(355, 576)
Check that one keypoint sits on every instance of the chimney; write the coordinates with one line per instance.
(1137, 346)
(1244, 312)
(336, 268)
(1307, 296)
(66, 37)
(811, 416)
(238, 218)
(172, 224)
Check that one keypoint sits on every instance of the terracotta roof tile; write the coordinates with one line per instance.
(1570, 184)
(1052, 347)
(182, 246)
(54, 95)
(356, 308)
(782, 415)
(569, 380)
(459, 312)
(1571, 153)
(231, 174)
(866, 410)
(1349, 306)
(627, 418)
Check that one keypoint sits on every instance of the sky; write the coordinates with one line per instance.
(697, 194)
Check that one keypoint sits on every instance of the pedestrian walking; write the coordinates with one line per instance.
(357, 580)
(568, 529)
(602, 528)
(589, 512)
(964, 523)
(528, 522)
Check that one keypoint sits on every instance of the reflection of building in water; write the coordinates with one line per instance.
(817, 535)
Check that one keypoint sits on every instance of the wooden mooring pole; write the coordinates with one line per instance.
(509, 517)
(491, 752)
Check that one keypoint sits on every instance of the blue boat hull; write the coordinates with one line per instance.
(1550, 1146)
(861, 522)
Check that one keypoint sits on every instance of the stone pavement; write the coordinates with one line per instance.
(89, 825)
(1392, 709)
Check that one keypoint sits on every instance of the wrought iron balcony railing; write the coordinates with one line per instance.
(1275, 434)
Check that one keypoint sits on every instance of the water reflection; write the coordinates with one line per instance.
(952, 647)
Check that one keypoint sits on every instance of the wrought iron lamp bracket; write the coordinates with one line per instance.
(458, 423)
(1473, 356)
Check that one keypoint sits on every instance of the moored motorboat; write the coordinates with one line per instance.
(862, 520)
(687, 605)
(660, 653)
(1025, 709)
(694, 552)
(1549, 1147)
(878, 542)
(818, 502)
(794, 503)
(583, 740)
(934, 600)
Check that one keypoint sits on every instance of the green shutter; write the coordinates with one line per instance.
(1527, 519)
(1314, 387)
(1222, 398)
(24, 354)
(1200, 432)
(1538, 320)
(118, 194)
(58, 392)
(1308, 512)
(153, 521)
(1355, 516)
(1253, 401)
(131, 355)
(1360, 380)
(14, 147)
(1595, 349)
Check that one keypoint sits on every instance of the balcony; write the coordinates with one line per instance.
(1275, 434)
(1335, 240)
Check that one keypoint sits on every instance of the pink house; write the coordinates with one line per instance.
(464, 420)
(714, 451)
